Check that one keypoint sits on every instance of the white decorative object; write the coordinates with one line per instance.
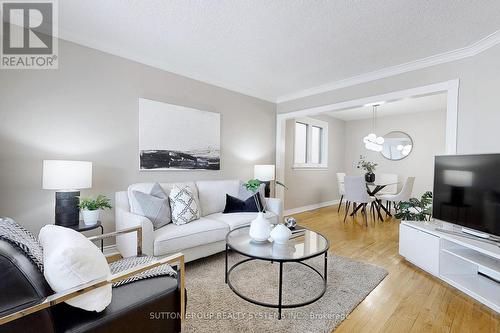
(260, 228)
(90, 217)
(372, 141)
(70, 260)
(281, 234)
(173, 137)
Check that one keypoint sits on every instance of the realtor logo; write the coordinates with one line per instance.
(29, 35)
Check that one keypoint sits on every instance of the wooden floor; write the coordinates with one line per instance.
(408, 299)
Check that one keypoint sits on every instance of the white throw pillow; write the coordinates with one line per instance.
(70, 260)
(183, 204)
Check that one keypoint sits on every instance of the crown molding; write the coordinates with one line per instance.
(465, 52)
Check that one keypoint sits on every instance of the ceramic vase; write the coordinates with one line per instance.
(90, 217)
(281, 234)
(369, 177)
(260, 228)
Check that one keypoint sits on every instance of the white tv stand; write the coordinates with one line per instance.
(469, 265)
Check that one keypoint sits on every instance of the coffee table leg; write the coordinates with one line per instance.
(326, 267)
(280, 290)
(225, 276)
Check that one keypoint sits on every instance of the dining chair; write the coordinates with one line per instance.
(403, 195)
(388, 178)
(340, 185)
(356, 193)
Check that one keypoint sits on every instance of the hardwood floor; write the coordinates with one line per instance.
(408, 299)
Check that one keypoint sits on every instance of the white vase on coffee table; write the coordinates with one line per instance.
(280, 234)
(260, 228)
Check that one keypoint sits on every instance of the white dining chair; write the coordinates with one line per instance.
(388, 178)
(403, 195)
(341, 187)
(356, 193)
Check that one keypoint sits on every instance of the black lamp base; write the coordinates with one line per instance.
(67, 212)
(267, 189)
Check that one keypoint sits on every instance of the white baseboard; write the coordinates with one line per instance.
(110, 250)
(311, 207)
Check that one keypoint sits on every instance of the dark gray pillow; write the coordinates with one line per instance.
(154, 206)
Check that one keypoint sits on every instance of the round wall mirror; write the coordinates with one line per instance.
(397, 145)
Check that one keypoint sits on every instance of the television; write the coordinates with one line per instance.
(467, 192)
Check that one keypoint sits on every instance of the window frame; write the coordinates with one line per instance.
(323, 125)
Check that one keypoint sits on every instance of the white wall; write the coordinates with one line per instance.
(478, 107)
(306, 186)
(427, 130)
(88, 110)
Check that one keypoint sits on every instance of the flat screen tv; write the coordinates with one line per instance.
(467, 191)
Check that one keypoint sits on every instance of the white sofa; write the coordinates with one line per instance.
(195, 239)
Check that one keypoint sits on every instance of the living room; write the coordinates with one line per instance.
(219, 143)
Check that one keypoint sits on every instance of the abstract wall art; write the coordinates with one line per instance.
(173, 137)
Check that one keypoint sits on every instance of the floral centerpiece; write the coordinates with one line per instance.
(368, 167)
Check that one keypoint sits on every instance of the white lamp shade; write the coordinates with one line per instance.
(264, 173)
(66, 175)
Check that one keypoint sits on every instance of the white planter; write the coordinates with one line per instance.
(281, 234)
(90, 217)
(260, 228)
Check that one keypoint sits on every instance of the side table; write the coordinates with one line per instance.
(81, 227)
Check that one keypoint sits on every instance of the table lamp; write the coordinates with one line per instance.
(67, 178)
(264, 173)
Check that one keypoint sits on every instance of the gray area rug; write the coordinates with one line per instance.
(213, 307)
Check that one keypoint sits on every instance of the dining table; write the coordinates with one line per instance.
(372, 188)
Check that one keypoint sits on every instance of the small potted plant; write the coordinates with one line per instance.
(368, 167)
(90, 208)
(414, 209)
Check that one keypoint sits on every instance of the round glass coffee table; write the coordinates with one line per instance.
(304, 244)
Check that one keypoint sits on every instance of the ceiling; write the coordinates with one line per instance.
(270, 49)
(407, 105)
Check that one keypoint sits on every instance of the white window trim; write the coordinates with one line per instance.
(324, 143)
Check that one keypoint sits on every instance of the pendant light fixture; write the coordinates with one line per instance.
(372, 141)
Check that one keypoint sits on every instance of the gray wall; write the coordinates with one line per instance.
(312, 186)
(88, 110)
(478, 107)
(427, 129)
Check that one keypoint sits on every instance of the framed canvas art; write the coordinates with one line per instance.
(173, 137)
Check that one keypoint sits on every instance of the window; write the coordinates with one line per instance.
(300, 143)
(310, 146)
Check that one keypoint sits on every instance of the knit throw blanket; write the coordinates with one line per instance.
(131, 262)
(28, 244)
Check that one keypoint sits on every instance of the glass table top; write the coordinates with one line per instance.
(378, 183)
(303, 245)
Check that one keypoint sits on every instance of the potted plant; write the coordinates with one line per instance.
(90, 208)
(416, 210)
(368, 167)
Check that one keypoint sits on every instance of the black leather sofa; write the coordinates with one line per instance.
(143, 306)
